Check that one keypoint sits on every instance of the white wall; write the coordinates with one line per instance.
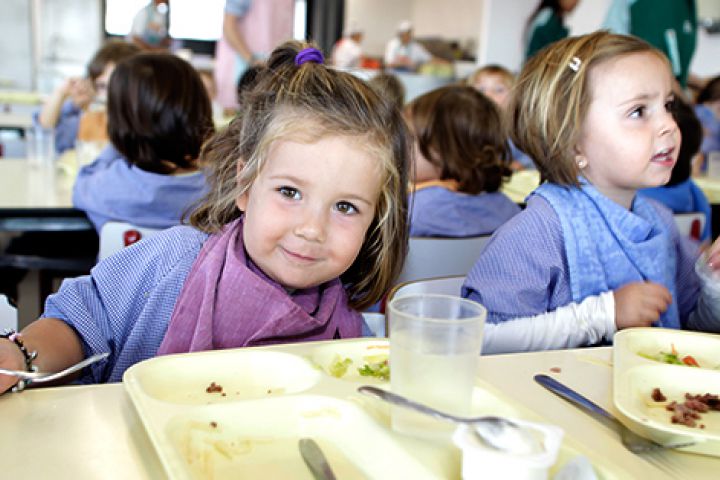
(15, 45)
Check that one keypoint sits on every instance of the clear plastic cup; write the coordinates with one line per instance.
(40, 146)
(435, 343)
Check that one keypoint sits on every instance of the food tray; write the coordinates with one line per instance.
(273, 396)
(635, 376)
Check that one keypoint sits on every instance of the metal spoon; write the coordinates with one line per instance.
(496, 432)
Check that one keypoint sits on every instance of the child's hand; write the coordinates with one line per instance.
(80, 91)
(639, 304)
(12, 359)
(713, 255)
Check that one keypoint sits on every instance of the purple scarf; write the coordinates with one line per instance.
(228, 302)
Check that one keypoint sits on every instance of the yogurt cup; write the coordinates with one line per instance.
(480, 461)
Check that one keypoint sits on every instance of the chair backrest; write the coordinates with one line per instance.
(441, 257)
(690, 224)
(114, 236)
(440, 285)
(8, 314)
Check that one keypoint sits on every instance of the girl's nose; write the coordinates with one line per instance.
(311, 225)
(668, 125)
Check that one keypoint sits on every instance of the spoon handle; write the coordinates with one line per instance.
(406, 402)
(571, 395)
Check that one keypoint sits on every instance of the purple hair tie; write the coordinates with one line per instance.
(309, 55)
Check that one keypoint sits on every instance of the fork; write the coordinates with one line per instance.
(42, 377)
(632, 441)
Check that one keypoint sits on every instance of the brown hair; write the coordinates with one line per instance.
(552, 97)
(710, 92)
(310, 102)
(492, 69)
(460, 131)
(390, 87)
(159, 112)
(113, 51)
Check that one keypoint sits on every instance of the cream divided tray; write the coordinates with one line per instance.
(640, 366)
(240, 413)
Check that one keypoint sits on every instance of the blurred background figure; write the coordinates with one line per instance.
(390, 87)
(72, 100)
(159, 115)
(681, 194)
(251, 29)
(151, 26)
(347, 52)
(547, 24)
(668, 25)
(403, 53)
(496, 82)
(708, 111)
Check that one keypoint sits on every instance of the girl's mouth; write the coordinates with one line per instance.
(664, 157)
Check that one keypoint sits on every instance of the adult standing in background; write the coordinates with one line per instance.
(668, 25)
(403, 53)
(347, 52)
(151, 26)
(251, 29)
(547, 24)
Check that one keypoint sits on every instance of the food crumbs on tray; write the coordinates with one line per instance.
(556, 369)
(214, 388)
(213, 424)
(688, 412)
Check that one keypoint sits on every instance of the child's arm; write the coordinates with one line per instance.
(56, 343)
(78, 90)
(591, 321)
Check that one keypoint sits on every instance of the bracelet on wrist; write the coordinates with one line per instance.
(28, 357)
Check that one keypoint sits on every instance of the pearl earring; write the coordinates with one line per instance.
(581, 163)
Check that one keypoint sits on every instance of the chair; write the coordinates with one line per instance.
(440, 285)
(690, 224)
(114, 236)
(8, 314)
(430, 257)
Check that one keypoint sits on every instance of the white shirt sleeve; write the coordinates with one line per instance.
(419, 54)
(573, 325)
(391, 50)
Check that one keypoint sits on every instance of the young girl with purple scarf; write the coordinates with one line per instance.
(305, 224)
(588, 256)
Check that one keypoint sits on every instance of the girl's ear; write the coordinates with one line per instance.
(580, 159)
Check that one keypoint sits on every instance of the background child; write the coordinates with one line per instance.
(305, 224)
(681, 194)
(547, 24)
(159, 115)
(461, 159)
(594, 112)
(496, 83)
(708, 111)
(389, 86)
(63, 110)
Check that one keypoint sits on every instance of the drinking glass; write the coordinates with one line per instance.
(40, 146)
(435, 343)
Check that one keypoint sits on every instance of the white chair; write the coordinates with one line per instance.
(114, 236)
(440, 285)
(8, 315)
(430, 257)
(690, 224)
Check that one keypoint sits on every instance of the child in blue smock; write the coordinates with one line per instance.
(588, 256)
(681, 194)
(304, 225)
(461, 159)
(708, 111)
(64, 109)
(159, 115)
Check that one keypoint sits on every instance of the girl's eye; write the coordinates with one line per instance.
(290, 192)
(670, 105)
(638, 112)
(346, 208)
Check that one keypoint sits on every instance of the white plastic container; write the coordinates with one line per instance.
(480, 461)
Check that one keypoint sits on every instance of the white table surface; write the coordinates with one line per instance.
(92, 432)
(26, 186)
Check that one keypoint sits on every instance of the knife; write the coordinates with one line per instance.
(315, 459)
